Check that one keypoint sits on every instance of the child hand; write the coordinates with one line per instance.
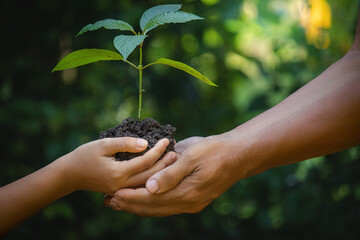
(93, 167)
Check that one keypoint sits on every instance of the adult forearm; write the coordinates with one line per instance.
(23, 198)
(320, 118)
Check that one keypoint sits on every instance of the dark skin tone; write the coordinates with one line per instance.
(320, 118)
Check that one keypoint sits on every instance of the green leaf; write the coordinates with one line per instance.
(126, 44)
(154, 11)
(185, 68)
(85, 56)
(169, 17)
(107, 24)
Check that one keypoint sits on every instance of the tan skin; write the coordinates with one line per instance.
(320, 118)
(90, 167)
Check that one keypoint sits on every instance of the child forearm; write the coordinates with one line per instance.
(23, 198)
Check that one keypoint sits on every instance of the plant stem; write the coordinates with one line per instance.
(149, 65)
(131, 64)
(140, 83)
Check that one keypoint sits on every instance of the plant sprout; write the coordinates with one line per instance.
(125, 44)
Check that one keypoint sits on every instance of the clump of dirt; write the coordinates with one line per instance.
(148, 129)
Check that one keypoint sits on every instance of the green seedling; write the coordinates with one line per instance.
(126, 44)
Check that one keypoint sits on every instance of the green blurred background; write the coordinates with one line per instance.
(258, 52)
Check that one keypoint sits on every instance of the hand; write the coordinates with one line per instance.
(181, 146)
(204, 171)
(93, 166)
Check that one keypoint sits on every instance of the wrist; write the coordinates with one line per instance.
(64, 174)
(248, 152)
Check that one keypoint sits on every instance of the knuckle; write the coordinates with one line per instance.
(129, 141)
(123, 143)
(165, 164)
(116, 175)
(192, 157)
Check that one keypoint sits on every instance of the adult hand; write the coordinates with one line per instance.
(320, 118)
(204, 171)
(93, 166)
(181, 146)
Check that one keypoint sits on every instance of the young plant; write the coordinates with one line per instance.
(125, 44)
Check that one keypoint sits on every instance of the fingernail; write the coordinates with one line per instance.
(141, 143)
(114, 204)
(152, 186)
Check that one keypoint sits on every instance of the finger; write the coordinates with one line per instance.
(183, 144)
(107, 199)
(169, 177)
(142, 196)
(110, 146)
(141, 202)
(141, 177)
(144, 162)
(123, 200)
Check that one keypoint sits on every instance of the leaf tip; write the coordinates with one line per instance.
(54, 69)
(79, 33)
(199, 18)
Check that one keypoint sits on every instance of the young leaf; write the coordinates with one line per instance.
(185, 68)
(154, 11)
(107, 24)
(169, 17)
(126, 44)
(85, 56)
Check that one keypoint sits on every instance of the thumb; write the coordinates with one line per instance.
(167, 178)
(110, 146)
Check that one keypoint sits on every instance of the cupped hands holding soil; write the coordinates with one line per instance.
(148, 129)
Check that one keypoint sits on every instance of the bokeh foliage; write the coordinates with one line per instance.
(256, 51)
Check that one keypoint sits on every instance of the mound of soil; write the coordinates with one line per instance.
(148, 129)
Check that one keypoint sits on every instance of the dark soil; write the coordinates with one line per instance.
(148, 129)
